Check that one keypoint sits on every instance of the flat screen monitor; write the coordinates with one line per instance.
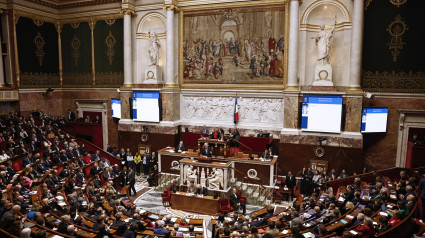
(146, 106)
(116, 107)
(374, 119)
(321, 113)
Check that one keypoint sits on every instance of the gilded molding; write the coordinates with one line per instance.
(128, 12)
(110, 21)
(367, 3)
(109, 79)
(57, 4)
(29, 79)
(18, 13)
(77, 79)
(234, 5)
(38, 22)
(403, 82)
(170, 7)
(398, 3)
(396, 29)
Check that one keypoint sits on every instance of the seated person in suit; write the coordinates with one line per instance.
(201, 190)
(260, 134)
(215, 134)
(266, 155)
(191, 188)
(205, 130)
(206, 150)
(180, 147)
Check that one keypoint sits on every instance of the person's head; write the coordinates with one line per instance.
(70, 229)
(25, 233)
(181, 143)
(234, 190)
(160, 223)
(16, 209)
(396, 214)
(368, 221)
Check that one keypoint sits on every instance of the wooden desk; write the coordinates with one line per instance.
(204, 205)
(168, 162)
(218, 147)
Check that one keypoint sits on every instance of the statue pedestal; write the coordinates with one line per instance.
(323, 75)
(153, 75)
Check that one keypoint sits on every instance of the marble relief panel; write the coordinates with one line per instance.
(251, 110)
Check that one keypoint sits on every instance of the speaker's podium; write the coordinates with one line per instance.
(218, 147)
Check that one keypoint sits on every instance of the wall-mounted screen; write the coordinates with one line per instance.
(146, 106)
(374, 119)
(321, 113)
(116, 107)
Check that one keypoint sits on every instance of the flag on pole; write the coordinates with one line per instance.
(236, 113)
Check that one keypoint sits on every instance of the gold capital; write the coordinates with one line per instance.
(170, 7)
(128, 12)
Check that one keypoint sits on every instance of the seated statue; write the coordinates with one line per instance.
(191, 175)
(214, 180)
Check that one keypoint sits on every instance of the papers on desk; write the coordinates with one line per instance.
(183, 229)
(222, 163)
(183, 152)
(127, 220)
(57, 236)
(344, 221)
(308, 234)
(392, 196)
(340, 199)
(350, 217)
(375, 223)
(354, 232)
(174, 219)
(171, 151)
(33, 192)
(285, 232)
(384, 214)
(168, 147)
(142, 211)
(62, 204)
(198, 229)
(152, 216)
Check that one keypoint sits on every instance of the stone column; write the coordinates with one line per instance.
(1, 68)
(128, 57)
(294, 28)
(356, 46)
(169, 75)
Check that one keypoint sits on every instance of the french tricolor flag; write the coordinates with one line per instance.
(236, 114)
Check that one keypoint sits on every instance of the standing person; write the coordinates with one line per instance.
(153, 161)
(290, 183)
(235, 201)
(131, 181)
(130, 160)
(123, 156)
(145, 163)
(422, 188)
(138, 162)
(123, 177)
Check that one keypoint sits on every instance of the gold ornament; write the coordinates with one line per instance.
(397, 28)
(39, 43)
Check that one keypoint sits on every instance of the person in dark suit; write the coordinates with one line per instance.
(180, 147)
(236, 137)
(266, 155)
(26, 161)
(260, 134)
(152, 176)
(95, 170)
(235, 201)
(71, 115)
(80, 177)
(146, 163)
(131, 181)
(22, 149)
(206, 150)
(290, 182)
(200, 190)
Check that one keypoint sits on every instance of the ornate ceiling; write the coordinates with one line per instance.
(61, 4)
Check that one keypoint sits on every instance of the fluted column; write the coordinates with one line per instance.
(128, 55)
(356, 46)
(294, 28)
(169, 74)
(2, 80)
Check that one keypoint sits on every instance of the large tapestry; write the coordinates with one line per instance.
(234, 46)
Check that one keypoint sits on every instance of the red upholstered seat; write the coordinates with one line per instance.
(224, 205)
(242, 198)
(277, 195)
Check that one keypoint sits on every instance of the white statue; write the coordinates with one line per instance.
(191, 175)
(214, 179)
(154, 49)
(323, 43)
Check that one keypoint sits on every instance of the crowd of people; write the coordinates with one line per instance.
(377, 212)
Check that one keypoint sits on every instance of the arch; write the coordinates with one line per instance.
(157, 17)
(339, 5)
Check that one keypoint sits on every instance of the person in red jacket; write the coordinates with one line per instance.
(395, 219)
(366, 228)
